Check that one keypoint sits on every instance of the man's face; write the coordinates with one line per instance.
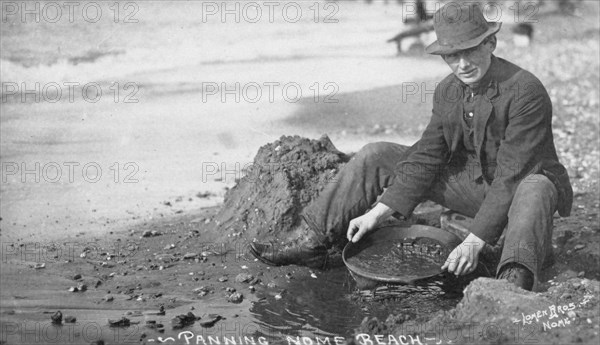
(470, 65)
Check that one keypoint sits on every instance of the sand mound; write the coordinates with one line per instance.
(285, 176)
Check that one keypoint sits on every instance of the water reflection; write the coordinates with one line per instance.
(332, 306)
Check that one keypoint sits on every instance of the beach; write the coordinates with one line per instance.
(113, 159)
(124, 125)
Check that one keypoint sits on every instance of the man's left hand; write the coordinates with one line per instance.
(464, 258)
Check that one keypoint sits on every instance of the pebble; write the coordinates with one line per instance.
(235, 297)
(572, 314)
(77, 277)
(223, 279)
(579, 247)
(57, 318)
(190, 256)
(70, 319)
(201, 288)
(581, 274)
(108, 298)
(183, 320)
(149, 233)
(210, 320)
(244, 278)
(122, 322)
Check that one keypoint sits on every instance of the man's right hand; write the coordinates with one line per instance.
(362, 225)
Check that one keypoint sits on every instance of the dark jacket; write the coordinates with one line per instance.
(513, 138)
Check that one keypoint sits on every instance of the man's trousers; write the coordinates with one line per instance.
(528, 232)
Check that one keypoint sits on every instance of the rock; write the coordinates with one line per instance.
(183, 320)
(202, 288)
(82, 287)
(77, 277)
(190, 256)
(57, 318)
(108, 298)
(223, 279)
(210, 320)
(70, 319)
(235, 297)
(230, 289)
(166, 258)
(152, 233)
(581, 274)
(579, 247)
(122, 322)
(244, 278)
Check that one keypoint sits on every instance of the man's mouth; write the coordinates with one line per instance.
(468, 73)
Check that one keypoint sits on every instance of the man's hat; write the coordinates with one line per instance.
(460, 27)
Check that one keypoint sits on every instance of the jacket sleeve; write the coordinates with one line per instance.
(519, 154)
(415, 175)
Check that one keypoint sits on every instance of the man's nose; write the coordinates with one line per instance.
(463, 62)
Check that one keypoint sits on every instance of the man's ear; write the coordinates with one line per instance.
(491, 43)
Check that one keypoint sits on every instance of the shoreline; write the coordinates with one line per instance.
(72, 177)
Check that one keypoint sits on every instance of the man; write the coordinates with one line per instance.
(488, 153)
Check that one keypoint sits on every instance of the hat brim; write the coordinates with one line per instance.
(437, 49)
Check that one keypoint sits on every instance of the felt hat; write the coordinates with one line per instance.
(459, 27)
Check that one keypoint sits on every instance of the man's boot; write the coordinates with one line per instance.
(518, 275)
(307, 249)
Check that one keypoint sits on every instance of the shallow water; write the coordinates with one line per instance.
(332, 306)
